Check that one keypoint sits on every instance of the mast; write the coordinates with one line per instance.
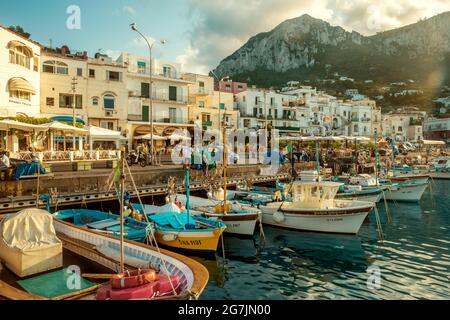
(188, 192)
(122, 200)
(224, 168)
(317, 157)
(377, 156)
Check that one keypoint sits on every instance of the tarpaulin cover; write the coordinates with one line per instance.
(25, 169)
(28, 242)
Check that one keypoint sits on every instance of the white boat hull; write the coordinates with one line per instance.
(347, 224)
(346, 220)
(408, 193)
(238, 227)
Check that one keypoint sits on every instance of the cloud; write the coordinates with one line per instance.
(129, 10)
(218, 28)
(141, 43)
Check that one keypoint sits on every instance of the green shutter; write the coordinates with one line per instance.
(172, 93)
(145, 90)
(145, 113)
(141, 64)
(222, 106)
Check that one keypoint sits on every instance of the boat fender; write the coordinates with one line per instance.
(278, 217)
(169, 237)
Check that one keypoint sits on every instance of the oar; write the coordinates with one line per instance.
(98, 275)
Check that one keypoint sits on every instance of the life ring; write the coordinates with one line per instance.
(278, 217)
(133, 279)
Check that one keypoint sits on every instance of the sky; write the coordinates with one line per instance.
(198, 33)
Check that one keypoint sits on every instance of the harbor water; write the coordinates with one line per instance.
(413, 262)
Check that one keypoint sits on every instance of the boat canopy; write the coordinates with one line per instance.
(314, 194)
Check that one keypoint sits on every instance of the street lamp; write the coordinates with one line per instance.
(219, 80)
(150, 47)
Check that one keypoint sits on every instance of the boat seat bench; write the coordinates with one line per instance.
(103, 224)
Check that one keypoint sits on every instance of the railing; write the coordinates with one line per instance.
(67, 156)
(207, 123)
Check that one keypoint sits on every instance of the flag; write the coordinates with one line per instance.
(288, 148)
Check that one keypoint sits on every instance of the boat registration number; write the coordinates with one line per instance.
(334, 219)
(191, 242)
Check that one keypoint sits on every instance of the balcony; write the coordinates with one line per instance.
(179, 120)
(315, 123)
(365, 119)
(207, 123)
(165, 97)
(415, 122)
(288, 129)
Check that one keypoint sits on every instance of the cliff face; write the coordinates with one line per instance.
(314, 47)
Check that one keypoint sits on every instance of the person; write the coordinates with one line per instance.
(5, 163)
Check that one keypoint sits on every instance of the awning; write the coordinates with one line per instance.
(15, 43)
(59, 126)
(7, 124)
(102, 134)
(20, 84)
(67, 119)
(432, 142)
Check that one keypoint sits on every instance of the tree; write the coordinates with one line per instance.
(19, 30)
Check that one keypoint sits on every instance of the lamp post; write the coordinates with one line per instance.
(219, 80)
(150, 47)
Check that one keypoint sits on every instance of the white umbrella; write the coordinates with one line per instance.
(149, 137)
(7, 124)
(177, 137)
(64, 127)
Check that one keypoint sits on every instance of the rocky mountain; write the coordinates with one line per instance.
(308, 48)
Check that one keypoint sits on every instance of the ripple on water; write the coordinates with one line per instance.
(414, 259)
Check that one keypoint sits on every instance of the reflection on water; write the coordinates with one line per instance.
(414, 259)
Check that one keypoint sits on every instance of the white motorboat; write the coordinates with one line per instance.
(314, 208)
(408, 191)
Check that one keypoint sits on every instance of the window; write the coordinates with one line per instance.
(20, 56)
(66, 101)
(141, 67)
(79, 72)
(91, 73)
(272, 101)
(228, 87)
(256, 100)
(109, 101)
(201, 87)
(107, 125)
(255, 112)
(20, 95)
(167, 71)
(400, 129)
(113, 76)
(222, 106)
(201, 104)
(50, 102)
(95, 101)
(240, 87)
(145, 90)
(36, 64)
(55, 67)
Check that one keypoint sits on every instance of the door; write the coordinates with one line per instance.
(173, 115)
(145, 113)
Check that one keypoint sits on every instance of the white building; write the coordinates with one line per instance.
(20, 60)
(403, 126)
(169, 95)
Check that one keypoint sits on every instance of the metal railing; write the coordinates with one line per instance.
(67, 156)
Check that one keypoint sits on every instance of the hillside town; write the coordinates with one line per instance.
(113, 96)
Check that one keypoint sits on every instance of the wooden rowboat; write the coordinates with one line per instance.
(103, 249)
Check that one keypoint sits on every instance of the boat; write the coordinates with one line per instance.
(351, 192)
(99, 255)
(240, 219)
(105, 222)
(314, 208)
(440, 168)
(181, 230)
(408, 191)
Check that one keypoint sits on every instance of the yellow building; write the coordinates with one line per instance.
(101, 95)
(206, 106)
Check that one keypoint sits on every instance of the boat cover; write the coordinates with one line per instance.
(172, 219)
(28, 242)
